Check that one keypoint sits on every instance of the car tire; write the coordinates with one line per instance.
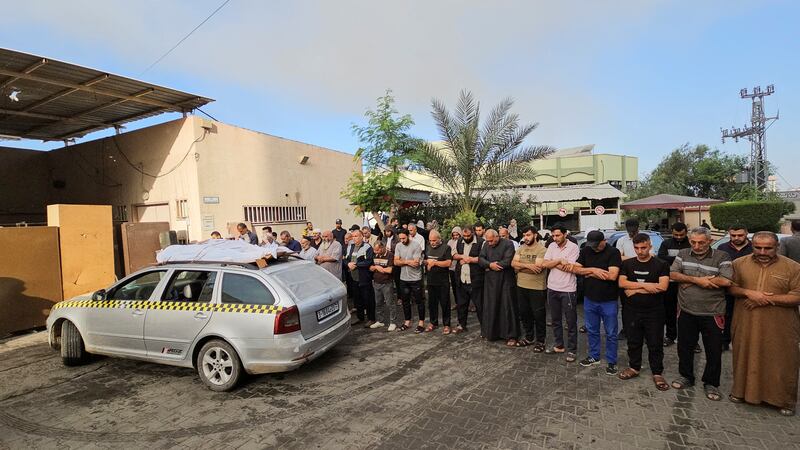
(73, 352)
(218, 365)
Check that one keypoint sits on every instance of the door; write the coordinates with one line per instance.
(180, 314)
(116, 325)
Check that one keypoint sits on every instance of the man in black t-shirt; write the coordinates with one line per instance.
(667, 252)
(645, 279)
(599, 263)
(437, 265)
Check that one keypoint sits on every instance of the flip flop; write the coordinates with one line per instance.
(660, 382)
(627, 374)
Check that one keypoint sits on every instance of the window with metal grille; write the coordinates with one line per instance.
(120, 213)
(263, 214)
(182, 209)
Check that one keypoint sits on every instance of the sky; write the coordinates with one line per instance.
(632, 77)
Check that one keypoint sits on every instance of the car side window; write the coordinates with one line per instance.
(138, 288)
(244, 289)
(190, 286)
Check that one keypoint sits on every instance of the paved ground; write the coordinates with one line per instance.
(375, 390)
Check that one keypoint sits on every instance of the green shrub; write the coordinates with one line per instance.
(754, 215)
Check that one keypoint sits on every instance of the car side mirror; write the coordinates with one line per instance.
(98, 296)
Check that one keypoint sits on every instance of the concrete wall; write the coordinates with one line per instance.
(24, 186)
(180, 160)
(242, 167)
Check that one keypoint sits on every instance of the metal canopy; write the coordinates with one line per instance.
(52, 100)
(669, 201)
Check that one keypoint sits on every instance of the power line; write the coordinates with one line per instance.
(185, 37)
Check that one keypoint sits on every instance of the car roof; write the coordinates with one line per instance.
(272, 267)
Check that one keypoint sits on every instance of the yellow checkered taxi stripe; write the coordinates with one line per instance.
(171, 306)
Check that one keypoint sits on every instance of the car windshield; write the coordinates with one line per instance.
(305, 280)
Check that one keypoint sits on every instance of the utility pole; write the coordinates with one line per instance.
(755, 133)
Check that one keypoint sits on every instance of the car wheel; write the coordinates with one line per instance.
(219, 366)
(73, 352)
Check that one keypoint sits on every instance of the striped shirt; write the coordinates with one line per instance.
(694, 299)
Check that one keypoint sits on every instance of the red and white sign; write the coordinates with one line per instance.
(599, 210)
(562, 212)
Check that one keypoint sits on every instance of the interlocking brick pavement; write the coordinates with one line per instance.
(374, 390)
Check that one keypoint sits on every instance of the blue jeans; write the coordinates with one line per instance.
(607, 311)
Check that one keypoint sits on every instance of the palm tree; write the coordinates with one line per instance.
(471, 159)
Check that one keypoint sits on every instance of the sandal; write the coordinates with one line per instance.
(458, 330)
(786, 412)
(431, 327)
(553, 350)
(524, 342)
(712, 392)
(403, 327)
(682, 383)
(446, 330)
(538, 347)
(660, 382)
(512, 343)
(628, 373)
(419, 329)
(734, 399)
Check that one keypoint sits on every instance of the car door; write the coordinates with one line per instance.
(116, 323)
(176, 318)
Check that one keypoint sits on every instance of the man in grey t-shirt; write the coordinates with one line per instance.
(703, 274)
(408, 256)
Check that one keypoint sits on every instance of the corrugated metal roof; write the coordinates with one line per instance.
(566, 193)
(669, 201)
(44, 99)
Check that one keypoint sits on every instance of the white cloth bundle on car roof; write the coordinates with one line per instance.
(220, 250)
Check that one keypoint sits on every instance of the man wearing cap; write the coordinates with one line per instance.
(339, 232)
(599, 264)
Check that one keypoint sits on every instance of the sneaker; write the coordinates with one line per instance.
(571, 357)
(369, 324)
(377, 325)
(392, 327)
(589, 361)
(611, 369)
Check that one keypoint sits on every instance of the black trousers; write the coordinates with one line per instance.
(726, 333)
(671, 311)
(623, 299)
(710, 328)
(646, 325)
(439, 297)
(469, 293)
(454, 285)
(412, 290)
(396, 277)
(532, 306)
(366, 296)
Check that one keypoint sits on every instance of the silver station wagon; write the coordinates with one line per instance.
(220, 318)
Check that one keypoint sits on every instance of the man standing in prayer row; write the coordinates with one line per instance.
(289, 242)
(667, 252)
(246, 235)
(500, 317)
(470, 277)
(790, 246)
(704, 273)
(599, 263)
(329, 254)
(382, 279)
(766, 327)
(562, 286)
(455, 235)
(737, 246)
(408, 257)
(437, 266)
(414, 235)
(645, 279)
(531, 289)
(307, 251)
(504, 234)
(359, 260)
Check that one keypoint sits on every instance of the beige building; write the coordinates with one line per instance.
(196, 174)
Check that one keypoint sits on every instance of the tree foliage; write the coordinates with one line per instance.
(473, 158)
(755, 215)
(386, 150)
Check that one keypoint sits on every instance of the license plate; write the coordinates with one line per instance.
(327, 311)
